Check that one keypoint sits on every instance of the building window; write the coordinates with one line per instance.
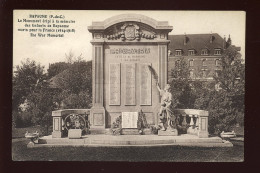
(217, 52)
(191, 74)
(177, 63)
(217, 73)
(217, 62)
(191, 52)
(204, 52)
(178, 52)
(204, 73)
(191, 63)
(204, 62)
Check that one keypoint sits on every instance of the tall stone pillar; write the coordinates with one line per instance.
(163, 64)
(203, 125)
(97, 116)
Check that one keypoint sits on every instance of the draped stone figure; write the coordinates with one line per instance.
(167, 119)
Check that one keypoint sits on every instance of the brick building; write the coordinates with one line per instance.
(202, 52)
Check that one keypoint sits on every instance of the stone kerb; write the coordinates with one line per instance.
(58, 119)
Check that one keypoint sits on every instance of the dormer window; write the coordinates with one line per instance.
(178, 52)
(204, 52)
(217, 52)
(191, 52)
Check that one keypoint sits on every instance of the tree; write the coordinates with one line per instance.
(182, 86)
(32, 89)
(40, 104)
(25, 79)
(56, 68)
(232, 81)
(226, 106)
(75, 85)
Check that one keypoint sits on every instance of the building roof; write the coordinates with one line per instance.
(196, 42)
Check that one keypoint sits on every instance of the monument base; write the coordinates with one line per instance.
(97, 117)
(136, 132)
(133, 140)
(192, 131)
(170, 132)
(74, 133)
(203, 134)
(56, 134)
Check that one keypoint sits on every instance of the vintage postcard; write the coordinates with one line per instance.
(128, 85)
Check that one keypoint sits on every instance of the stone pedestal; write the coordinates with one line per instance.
(74, 133)
(97, 118)
(57, 124)
(203, 125)
(58, 120)
(173, 132)
(56, 134)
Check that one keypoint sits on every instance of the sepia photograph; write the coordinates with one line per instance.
(134, 86)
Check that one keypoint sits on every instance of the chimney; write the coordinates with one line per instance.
(211, 37)
(229, 42)
(224, 42)
(185, 39)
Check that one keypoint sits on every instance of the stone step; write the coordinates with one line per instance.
(61, 141)
(200, 140)
(96, 131)
(168, 132)
(124, 132)
(136, 144)
(136, 132)
(131, 140)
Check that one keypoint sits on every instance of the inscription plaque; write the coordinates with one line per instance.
(129, 119)
(114, 84)
(130, 84)
(146, 84)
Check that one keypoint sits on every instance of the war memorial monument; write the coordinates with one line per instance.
(129, 86)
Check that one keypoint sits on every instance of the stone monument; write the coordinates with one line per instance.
(124, 47)
(129, 50)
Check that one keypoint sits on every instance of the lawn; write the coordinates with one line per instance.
(20, 152)
(167, 153)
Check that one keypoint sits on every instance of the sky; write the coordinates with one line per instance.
(45, 50)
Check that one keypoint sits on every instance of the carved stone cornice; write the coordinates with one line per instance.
(130, 27)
